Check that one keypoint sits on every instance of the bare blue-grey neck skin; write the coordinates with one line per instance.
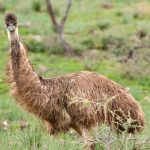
(12, 27)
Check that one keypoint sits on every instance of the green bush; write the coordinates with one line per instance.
(36, 6)
(104, 25)
(36, 46)
(2, 7)
(112, 42)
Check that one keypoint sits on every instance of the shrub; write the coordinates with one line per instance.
(36, 6)
(104, 25)
(36, 46)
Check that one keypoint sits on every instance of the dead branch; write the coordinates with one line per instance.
(51, 12)
(66, 13)
(59, 26)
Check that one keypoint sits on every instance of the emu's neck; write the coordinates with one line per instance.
(27, 88)
(21, 67)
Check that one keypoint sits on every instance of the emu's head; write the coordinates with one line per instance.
(12, 27)
(10, 22)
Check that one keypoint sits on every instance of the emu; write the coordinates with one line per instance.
(79, 100)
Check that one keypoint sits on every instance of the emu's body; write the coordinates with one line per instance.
(79, 100)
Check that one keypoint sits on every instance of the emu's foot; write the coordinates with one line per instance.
(89, 146)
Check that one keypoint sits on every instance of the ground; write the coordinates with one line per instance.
(102, 34)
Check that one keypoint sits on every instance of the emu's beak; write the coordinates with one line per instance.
(11, 27)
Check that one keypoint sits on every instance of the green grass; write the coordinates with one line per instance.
(102, 36)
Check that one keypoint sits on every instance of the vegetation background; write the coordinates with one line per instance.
(108, 37)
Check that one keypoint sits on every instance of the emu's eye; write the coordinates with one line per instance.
(7, 24)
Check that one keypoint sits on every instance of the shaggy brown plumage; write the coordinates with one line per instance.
(79, 100)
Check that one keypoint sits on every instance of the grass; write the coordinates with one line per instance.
(102, 36)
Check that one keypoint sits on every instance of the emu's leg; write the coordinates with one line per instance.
(87, 139)
(48, 126)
